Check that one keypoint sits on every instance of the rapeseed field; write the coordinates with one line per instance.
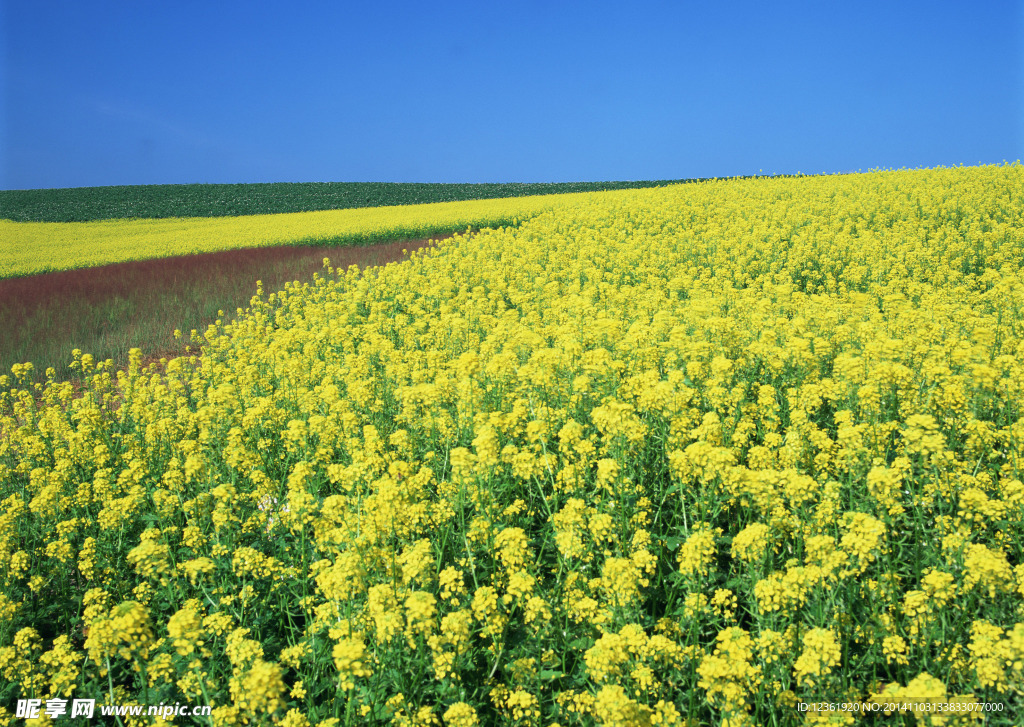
(28, 248)
(707, 454)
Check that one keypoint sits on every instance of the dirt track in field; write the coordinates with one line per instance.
(123, 279)
(142, 279)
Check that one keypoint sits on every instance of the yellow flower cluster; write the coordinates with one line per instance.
(702, 452)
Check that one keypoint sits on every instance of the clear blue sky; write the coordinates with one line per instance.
(96, 92)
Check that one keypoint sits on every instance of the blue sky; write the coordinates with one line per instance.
(139, 92)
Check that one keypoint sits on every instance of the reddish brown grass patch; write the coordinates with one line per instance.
(107, 310)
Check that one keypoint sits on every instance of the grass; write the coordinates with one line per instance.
(108, 310)
(81, 204)
(220, 200)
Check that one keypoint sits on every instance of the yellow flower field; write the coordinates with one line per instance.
(704, 454)
(27, 248)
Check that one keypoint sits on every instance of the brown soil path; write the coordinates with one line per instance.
(19, 297)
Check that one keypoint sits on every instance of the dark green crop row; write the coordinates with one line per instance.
(80, 204)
